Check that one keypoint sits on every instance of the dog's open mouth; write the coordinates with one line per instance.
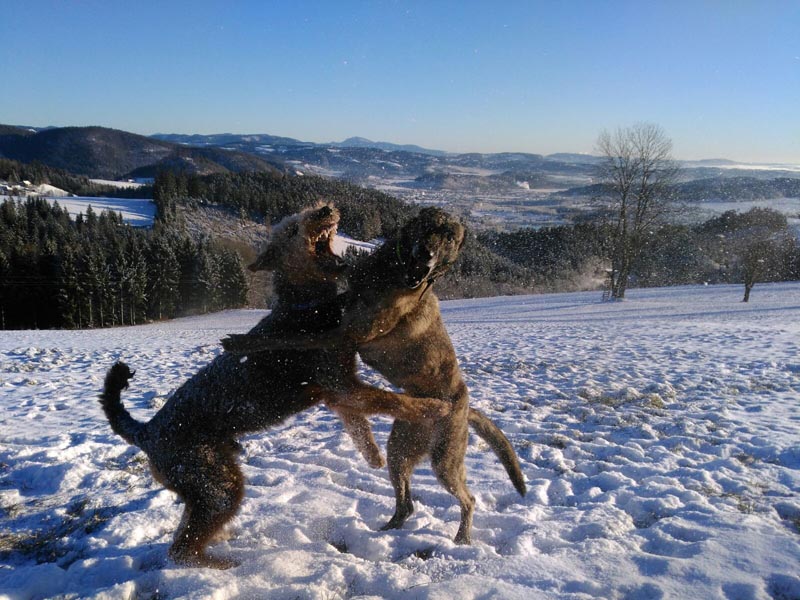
(322, 236)
(323, 241)
(321, 229)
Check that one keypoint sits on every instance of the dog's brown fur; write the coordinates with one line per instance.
(191, 442)
(394, 320)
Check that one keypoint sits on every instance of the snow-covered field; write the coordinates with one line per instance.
(120, 184)
(660, 438)
(136, 212)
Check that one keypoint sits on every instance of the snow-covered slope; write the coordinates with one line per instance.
(341, 243)
(136, 212)
(660, 438)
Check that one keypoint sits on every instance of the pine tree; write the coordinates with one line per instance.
(98, 282)
(233, 281)
(207, 278)
(163, 276)
(165, 195)
(136, 289)
(71, 298)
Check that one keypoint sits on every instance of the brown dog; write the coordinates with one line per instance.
(393, 319)
(191, 442)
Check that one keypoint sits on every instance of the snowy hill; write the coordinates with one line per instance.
(659, 438)
(101, 152)
(136, 212)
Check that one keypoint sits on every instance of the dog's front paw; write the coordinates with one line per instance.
(118, 376)
(237, 343)
(229, 343)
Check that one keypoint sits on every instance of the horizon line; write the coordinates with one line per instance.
(418, 145)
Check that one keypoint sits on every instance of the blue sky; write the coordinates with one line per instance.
(722, 78)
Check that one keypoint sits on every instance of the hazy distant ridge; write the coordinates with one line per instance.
(405, 170)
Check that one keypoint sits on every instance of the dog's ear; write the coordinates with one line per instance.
(267, 260)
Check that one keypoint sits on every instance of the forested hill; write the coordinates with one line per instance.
(719, 250)
(367, 214)
(730, 188)
(739, 188)
(96, 271)
(109, 153)
(268, 197)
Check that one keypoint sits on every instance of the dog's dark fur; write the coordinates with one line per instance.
(191, 442)
(393, 318)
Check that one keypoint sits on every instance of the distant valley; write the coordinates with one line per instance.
(494, 191)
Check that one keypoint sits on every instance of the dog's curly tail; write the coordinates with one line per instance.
(491, 434)
(122, 423)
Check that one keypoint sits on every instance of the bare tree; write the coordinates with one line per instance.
(638, 175)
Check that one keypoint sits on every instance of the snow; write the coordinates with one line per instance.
(136, 212)
(45, 189)
(761, 167)
(660, 438)
(341, 243)
(119, 184)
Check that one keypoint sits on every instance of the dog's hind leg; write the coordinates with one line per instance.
(353, 403)
(407, 446)
(212, 490)
(355, 423)
(448, 448)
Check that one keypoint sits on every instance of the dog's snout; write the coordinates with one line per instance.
(421, 252)
(325, 212)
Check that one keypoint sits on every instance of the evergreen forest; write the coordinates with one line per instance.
(95, 271)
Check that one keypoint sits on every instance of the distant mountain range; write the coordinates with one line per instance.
(109, 153)
(360, 142)
(406, 170)
(220, 139)
(414, 167)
